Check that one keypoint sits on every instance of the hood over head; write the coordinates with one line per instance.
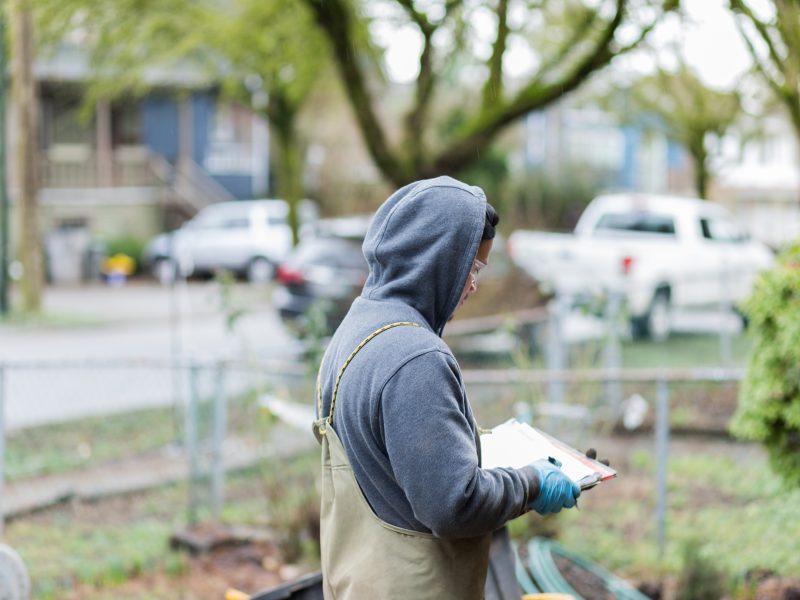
(421, 244)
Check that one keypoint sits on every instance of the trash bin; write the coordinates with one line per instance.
(66, 248)
(93, 261)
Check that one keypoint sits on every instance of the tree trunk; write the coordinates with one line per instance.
(5, 229)
(701, 177)
(26, 115)
(697, 149)
(290, 161)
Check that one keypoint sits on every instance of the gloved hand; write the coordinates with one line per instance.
(556, 490)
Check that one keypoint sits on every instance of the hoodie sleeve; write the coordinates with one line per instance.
(433, 456)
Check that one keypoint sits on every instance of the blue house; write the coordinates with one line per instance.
(638, 157)
(132, 167)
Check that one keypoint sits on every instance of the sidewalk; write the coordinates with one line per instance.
(138, 473)
(143, 300)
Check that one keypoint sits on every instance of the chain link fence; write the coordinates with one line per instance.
(103, 427)
(91, 428)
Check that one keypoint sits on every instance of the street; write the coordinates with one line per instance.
(138, 321)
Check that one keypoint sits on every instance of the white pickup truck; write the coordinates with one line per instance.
(658, 252)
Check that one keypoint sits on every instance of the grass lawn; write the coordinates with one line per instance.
(108, 546)
(66, 446)
(684, 350)
(63, 447)
(47, 320)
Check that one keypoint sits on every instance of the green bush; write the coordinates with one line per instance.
(700, 578)
(769, 398)
(128, 245)
(543, 200)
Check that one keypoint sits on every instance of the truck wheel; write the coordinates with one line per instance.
(656, 324)
(260, 270)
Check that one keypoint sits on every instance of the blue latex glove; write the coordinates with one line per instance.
(556, 490)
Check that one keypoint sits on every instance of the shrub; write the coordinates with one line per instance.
(700, 578)
(542, 200)
(127, 245)
(769, 399)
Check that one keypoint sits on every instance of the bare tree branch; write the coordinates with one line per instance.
(336, 19)
(533, 96)
(578, 34)
(763, 32)
(758, 61)
(415, 119)
(493, 87)
(594, 48)
(419, 18)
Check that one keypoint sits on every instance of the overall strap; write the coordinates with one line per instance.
(364, 342)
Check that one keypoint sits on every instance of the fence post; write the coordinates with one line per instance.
(218, 457)
(192, 445)
(556, 349)
(613, 353)
(2, 447)
(725, 309)
(662, 449)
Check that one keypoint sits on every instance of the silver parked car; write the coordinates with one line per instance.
(249, 237)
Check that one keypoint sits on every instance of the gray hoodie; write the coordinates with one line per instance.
(402, 412)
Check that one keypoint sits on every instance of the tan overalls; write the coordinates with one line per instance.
(365, 558)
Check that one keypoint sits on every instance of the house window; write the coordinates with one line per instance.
(69, 126)
(126, 125)
(229, 150)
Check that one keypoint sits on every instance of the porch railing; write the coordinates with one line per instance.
(188, 184)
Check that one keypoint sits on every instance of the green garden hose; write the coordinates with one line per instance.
(523, 578)
(548, 578)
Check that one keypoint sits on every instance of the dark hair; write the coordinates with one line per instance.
(492, 219)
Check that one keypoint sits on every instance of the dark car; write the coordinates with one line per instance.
(324, 273)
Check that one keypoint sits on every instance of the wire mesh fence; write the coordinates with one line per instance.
(95, 426)
(84, 427)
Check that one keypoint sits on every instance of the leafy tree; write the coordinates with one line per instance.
(690, 111)
(778, 34)
(567, 41)
(769, 399)
(252, 48)
(262, 44)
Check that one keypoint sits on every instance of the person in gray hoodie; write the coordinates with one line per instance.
(407, 510)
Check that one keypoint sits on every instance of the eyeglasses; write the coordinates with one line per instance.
(477, 266)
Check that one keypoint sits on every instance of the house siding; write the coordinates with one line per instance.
(160, 125)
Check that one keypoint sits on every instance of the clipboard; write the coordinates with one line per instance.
(514, 444)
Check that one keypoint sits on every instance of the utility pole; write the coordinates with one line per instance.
(4, 228)
(26, 109)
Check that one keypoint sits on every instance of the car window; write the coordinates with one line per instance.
(721, 230)
(223, 216)
(637, 222)
(330, 251)
(235, 223)
(276, 220)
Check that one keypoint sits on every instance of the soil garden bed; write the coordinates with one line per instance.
(588, 585)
